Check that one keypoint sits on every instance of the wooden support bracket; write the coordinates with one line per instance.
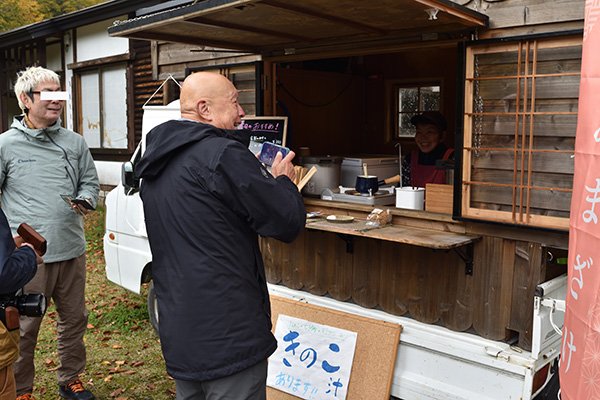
(349, 242)
(467, 257)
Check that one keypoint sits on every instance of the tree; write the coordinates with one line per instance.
(16, 13)
(52, 8)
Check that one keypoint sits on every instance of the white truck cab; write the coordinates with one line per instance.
(433, 362)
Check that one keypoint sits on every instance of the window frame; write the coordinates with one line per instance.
(520, 214)
(392, 87)
(98, 65)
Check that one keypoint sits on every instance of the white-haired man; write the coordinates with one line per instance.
(40, 164)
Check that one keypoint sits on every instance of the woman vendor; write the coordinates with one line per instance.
(419, 166)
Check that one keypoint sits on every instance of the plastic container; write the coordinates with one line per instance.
(410, 197)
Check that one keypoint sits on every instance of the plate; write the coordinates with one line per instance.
(313, 214)
(340, 218)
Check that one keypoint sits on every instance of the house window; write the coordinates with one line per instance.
(521, 102)
(102, 106)
(410, 100)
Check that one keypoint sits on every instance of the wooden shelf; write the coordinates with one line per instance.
(393, 233)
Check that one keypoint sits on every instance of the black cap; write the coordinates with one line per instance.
(430, 117)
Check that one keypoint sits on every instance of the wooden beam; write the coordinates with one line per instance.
(181, 38)
(101, 61)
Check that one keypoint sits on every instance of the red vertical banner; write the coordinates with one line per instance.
(580, 352)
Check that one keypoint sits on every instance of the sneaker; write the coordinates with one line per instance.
(25, 396)
(75, 390)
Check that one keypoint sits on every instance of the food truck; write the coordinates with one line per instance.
(475, 273)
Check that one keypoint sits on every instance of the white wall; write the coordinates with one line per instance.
(93, 41)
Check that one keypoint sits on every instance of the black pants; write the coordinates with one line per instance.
(249, 384)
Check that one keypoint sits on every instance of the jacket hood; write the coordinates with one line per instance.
(165, 140)
(19, 123)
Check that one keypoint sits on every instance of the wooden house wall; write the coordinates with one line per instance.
(174, 58)
(143, 85)
(520, 17)
(13, 60)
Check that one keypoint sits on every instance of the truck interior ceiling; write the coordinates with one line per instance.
(363, 104)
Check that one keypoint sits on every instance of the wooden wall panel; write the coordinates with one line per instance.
(339, 271)
(457, 300)
(431, 277)
(320, 250)
(292, 271)
(366, 272)
(271, 250)
(504, 14)
(493, 278)
(144, 85)
(428, 285)
(394, 279)
(529, 272)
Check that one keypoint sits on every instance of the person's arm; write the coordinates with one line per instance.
(272, 206)
(88, 186)
(2, 167)
(17, 266)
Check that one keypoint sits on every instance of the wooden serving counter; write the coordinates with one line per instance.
(464, 276)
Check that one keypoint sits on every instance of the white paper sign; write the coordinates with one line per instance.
(312, 361)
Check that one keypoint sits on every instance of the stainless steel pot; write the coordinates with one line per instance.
(327, 175)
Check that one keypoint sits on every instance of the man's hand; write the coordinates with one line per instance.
(20, 243)
(283, 166)
(80, 209)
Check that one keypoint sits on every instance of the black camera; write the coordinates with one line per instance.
(30, 305)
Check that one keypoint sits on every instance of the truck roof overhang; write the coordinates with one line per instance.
(281, 27)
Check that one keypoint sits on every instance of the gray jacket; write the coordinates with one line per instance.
(37, 166)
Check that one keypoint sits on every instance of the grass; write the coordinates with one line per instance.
(124, 360)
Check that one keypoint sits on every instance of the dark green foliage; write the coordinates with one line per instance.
(16, 13)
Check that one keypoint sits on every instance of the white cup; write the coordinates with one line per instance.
(410, 197)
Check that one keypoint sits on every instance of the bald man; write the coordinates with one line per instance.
(206, 199)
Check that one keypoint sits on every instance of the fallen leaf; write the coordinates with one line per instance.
(117, 392)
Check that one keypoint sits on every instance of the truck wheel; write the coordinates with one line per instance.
(152, 307)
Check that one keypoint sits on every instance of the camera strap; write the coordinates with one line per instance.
(10, 317)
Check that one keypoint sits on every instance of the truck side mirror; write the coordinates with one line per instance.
(130, 183)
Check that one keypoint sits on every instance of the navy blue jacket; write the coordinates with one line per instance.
(17, 266)
(206, 199)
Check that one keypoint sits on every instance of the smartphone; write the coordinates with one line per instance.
(269, 151)
(83, 202)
